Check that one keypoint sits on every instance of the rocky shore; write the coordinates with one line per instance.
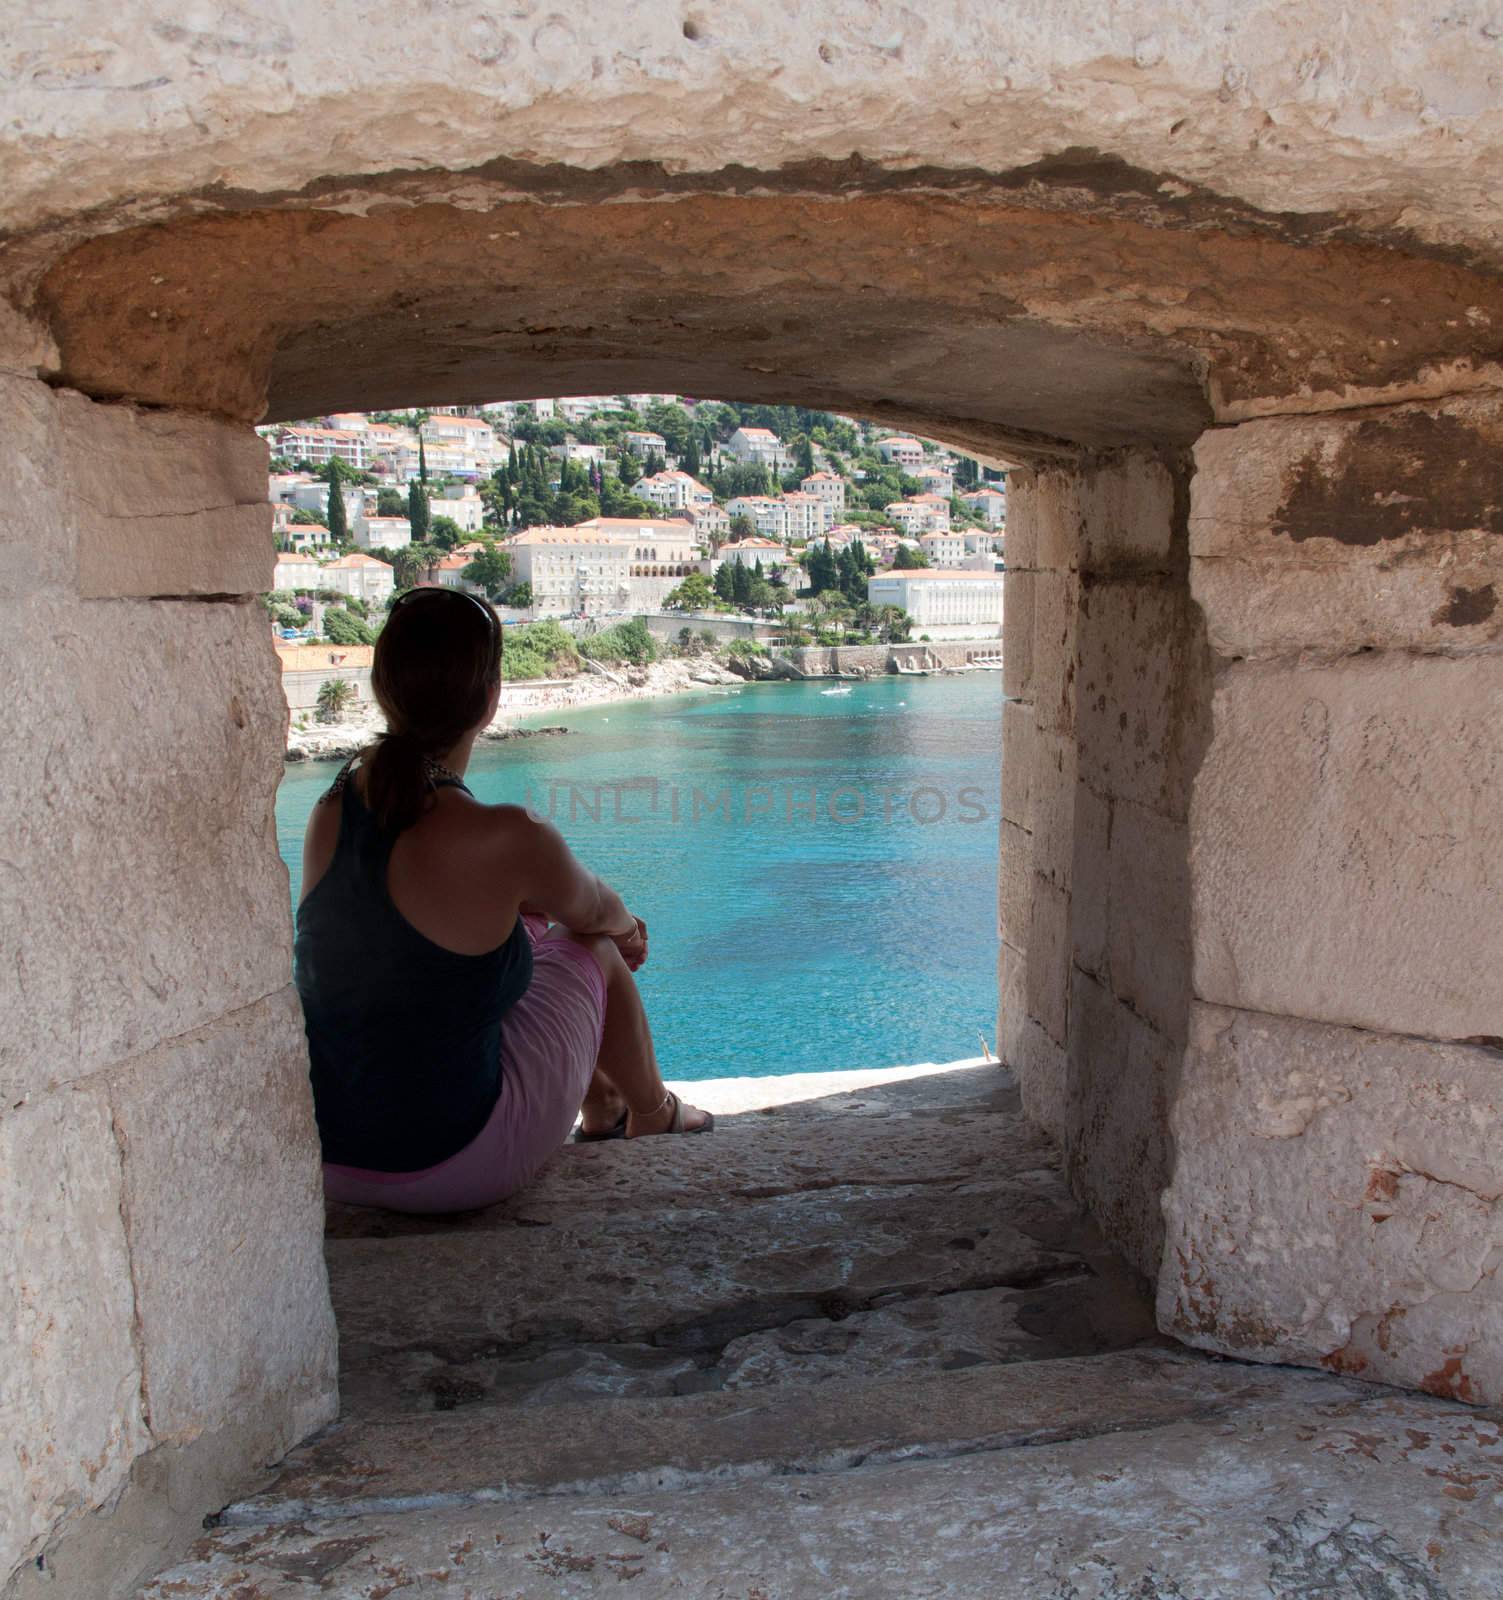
(310, 740)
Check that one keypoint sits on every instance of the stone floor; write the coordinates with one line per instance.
(859, 1344)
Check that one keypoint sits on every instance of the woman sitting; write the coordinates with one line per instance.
(454, 1034)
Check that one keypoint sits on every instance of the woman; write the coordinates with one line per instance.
(454, 1035)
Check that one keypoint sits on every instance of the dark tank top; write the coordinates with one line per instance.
(404, 1036)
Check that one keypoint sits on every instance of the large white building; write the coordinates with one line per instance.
(296, 569)
(758, 446)
(936, 480)
(462, 502)
(946, 548)
(319, 446)
(754, 551)
(965, 601)
(673, 491)
(360, 576)
(901, 450)
(924, 513)
(829, 487)
(571, 570)
(796, 516)
(989, 501)
(381, 533)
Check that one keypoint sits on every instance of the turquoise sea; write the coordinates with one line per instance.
(783, 940)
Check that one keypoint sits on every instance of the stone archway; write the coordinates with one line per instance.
(1249, 857)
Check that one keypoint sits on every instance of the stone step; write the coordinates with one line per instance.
(631, 1445)
(1182, 1477)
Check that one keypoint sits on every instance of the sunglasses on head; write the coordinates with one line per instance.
(407, 596)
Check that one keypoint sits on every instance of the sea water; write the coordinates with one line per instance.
(818, 872)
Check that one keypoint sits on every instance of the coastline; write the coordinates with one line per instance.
(338, 741)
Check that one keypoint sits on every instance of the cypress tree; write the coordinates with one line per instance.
(725, 582)
(336, 516)
(418, 511)
(422, 461)
(741, 583)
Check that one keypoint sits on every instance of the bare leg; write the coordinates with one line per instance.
(626, 1070)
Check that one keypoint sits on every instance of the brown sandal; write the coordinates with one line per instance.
(677, 1125)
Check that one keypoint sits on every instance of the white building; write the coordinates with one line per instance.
(673, 491)
(710, 522)
(462, 502)
(581, 407)
(319, 446)
(471, 441)
(936, 480)
(953, 601)
(571, 570)
(360, 576)
(312, 537)
(829, 487)
(644, 444)
(381, 533)
(296, 569)
(758, 446)
(573, 450)
(312, 496)
(901, 450)
(945, 548)
(922, 514)
(989, 501)
(798, 516)
(447, 574)
(752, 551)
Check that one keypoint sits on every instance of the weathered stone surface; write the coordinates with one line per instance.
(1116, 1101)
(1014, 884)
(1134, 698)
(165, 503)
(222, 1202)
(1052, 805)
(1148, 916)
(70, 1381)
(1337, 1199)
(1347, 844)
(1314, 1495)
(696, 1439)
(1346, 533)
(143, 750)
(1048, 972)
(1019, 743)
(1022, 522)
(1017, 629)
(1056, 601)
(1126, 514)
(36, 536)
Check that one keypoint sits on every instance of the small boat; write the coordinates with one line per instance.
(845, 690)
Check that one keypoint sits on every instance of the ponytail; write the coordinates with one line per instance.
(396, 781)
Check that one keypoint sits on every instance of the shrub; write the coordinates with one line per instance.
(343, 627)
(627, 641)
(539, 650)
(744, 649)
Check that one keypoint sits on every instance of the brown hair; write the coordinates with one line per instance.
(437, 660)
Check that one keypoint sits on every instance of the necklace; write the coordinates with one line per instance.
(437, 772)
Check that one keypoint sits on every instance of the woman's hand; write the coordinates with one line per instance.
(633, 946)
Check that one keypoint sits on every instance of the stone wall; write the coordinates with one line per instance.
(1105, 678)
(158, 1166)
(1337, 1193)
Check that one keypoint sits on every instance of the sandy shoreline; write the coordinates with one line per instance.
(339, 740)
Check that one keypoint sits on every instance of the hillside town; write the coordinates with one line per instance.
(588, 509)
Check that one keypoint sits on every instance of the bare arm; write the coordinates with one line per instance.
(555, 884)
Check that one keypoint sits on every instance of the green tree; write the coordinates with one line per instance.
(824, 573)
(519, 595)
(489, 568)
(422, 461)
(741, 583)
(627, 641)
(408, 566)
(803, 455)
(689, 460)
(418, 511)
(305, 519)
(693, 594)
(725, 581)
(335, 696)
(389, 503)
(446, 533)
(907, 559)
(343, 627)
(338, 522)
(742, 526)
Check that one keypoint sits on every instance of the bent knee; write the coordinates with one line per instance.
(607, 957)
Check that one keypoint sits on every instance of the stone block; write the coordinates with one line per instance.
(1091, 867)
(1057, 513)
(1017, 634)
(1053, 806)
(1116, 1141)
(1148, 917)
(1055, 603)
(1012, 995)
(165, 503)
(1134, 699)
(1019, 741)
(144, 747)
(1336, 1200)
(1340, 533)
(1347, 844)
(1022, 519)
(1048, 983)
(224, 1209)
(36, 535)
(1043, 1076)
(1126, 514)
(1014, 883)
(70, 1383)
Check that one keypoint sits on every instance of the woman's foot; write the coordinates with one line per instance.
(673, 1116)
(602, 1116)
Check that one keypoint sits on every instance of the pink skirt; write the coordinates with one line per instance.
(550, 1040)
